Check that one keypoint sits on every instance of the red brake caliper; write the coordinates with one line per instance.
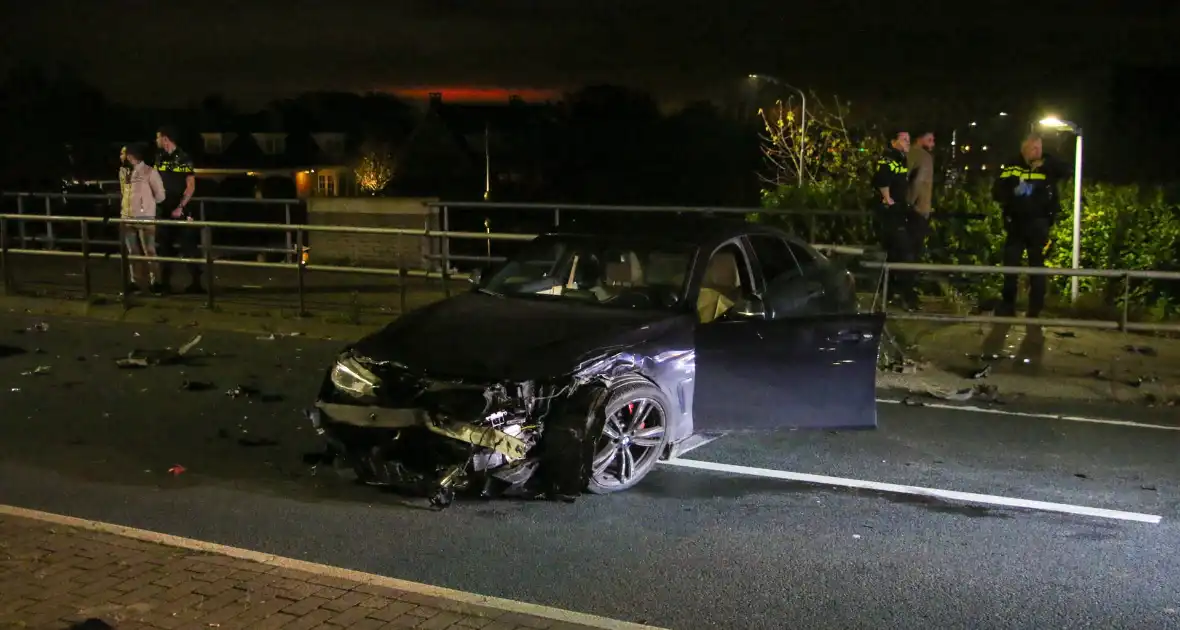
(631, 410)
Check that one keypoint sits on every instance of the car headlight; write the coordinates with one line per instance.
(349, 376)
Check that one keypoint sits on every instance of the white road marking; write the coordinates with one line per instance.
(949, 495)
(1046, 416)
(460, 597)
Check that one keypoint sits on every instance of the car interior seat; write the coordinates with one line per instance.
(720, 288)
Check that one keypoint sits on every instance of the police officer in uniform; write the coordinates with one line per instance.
(894, 215)
(1027, 193)
(179, 178)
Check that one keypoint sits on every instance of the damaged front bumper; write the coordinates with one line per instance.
(423, 451)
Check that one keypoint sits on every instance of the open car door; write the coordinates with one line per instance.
(791, 373)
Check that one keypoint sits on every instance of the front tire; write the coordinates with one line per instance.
(634, 437)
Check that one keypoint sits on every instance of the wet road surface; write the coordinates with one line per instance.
(686, 549)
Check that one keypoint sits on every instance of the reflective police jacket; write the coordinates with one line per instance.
(1026, 192)
(893, 173)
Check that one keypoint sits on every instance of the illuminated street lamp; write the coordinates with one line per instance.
(1052, 122)
(802, 116)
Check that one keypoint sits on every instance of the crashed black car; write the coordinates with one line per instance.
(585, 359)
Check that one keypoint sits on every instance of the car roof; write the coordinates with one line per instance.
(705, 232)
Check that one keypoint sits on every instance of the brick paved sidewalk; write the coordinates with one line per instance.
(55, 576)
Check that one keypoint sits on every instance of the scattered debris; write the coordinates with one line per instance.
(909, 401)
(983, 372)
(906, 366)
(1149, 488)
(270, 337)
(40, 370)
(164, 357)
(177, 470)
(242, 390)
(39, 327)
(982, 392)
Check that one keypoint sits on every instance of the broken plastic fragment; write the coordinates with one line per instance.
(131, 362)
(177, 470)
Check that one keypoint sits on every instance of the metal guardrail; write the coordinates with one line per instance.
(443, 209)
(50, 239)
(300, 267)
(1123, 323)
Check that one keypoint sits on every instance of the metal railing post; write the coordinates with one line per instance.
(84, 234)
(207, 238)
(49, 244)
(5, 268)
(290, 246)
(124, 270)
(1126, 302)
(301, 268)
(885, 287)
(402, 276)
(446, 240)
(446, 251)
(557, 217)
(20, 225)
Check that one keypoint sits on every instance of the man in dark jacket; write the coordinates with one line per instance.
(1027, 193)
(894, 215)
(179, 177)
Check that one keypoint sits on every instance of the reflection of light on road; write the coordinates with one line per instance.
(947, 495)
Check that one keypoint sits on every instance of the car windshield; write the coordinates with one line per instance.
(607, 272)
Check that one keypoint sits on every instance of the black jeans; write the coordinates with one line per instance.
(1031, 236)
(188, 239)
(897, 236)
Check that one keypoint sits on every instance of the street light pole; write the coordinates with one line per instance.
(802, 118)
(1056, 123)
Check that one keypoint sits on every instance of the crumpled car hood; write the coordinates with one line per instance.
(474, 335)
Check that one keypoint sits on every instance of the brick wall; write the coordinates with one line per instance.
(371, 250)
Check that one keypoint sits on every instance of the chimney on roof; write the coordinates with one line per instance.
(436, 98)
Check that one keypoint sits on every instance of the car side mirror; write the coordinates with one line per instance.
(749, 308)
(476, 276)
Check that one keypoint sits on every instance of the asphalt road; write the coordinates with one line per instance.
(686, 549)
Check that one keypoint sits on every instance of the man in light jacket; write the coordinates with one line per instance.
(139, 236)
(921, 164)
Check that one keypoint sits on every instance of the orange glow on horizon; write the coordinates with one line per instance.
(470, 94)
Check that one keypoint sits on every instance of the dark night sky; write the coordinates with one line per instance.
(170, 52)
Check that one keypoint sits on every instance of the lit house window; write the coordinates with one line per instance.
(326, 185)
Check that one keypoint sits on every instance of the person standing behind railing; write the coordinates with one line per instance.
(146, 191)
(921, 192)
(180, 182)
(891, 181)
(1027, 193)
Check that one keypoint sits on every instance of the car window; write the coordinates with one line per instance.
(774, 256)
(600, 272)
(726, 280)
(804, 256)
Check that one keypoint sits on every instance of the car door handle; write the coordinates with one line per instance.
(851, 336)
